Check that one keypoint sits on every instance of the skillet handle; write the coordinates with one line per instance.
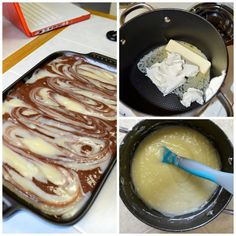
(226, 103)
(9, 207)
(124, 130)
(228, 211)
(134, 7)
(101, 58)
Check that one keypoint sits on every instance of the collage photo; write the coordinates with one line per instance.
(118, 117)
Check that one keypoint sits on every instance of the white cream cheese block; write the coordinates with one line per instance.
(192, 95)
(170, 73)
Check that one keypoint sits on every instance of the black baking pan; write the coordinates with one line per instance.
(11, 202)
(153, 29)
(190, 221)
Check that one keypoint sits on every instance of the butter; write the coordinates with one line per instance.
(203, 64)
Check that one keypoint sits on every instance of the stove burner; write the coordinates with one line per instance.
(220, 16)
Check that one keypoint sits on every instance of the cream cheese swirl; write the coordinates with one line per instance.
(59, 134)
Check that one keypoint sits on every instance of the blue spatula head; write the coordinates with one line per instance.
(168, 157)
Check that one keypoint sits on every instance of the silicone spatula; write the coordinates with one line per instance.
(196, 168)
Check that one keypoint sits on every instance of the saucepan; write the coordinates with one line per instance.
(218, 201)
(155, 28)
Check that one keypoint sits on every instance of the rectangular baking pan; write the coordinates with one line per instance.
(11, 202)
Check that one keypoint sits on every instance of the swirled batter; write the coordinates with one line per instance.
(165, 187)
(59, 134)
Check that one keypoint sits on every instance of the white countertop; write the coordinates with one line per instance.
(13, 38)
(130, 224)
(84, 37)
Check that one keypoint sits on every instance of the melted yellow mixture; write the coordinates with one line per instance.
(167, 188)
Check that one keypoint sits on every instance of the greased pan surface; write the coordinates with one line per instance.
(12, 202)
(136, 206)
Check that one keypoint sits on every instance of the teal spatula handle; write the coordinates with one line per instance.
(221, 178)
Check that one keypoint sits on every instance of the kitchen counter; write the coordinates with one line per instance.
(21, 54)
(130, 224)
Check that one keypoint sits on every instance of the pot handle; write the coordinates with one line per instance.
(9, 207)
(134, 7)
(226, 103)
(228, 211)
(124, 130)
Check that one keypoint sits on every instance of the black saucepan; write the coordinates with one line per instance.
(136, 206)
(155, 28)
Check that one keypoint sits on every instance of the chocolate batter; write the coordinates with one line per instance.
(59, 134)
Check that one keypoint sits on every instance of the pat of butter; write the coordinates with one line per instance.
(204, 64)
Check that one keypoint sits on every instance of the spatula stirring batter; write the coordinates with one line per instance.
(196, 168)
(166, 188)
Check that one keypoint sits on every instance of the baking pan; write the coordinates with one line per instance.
(13, 203)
